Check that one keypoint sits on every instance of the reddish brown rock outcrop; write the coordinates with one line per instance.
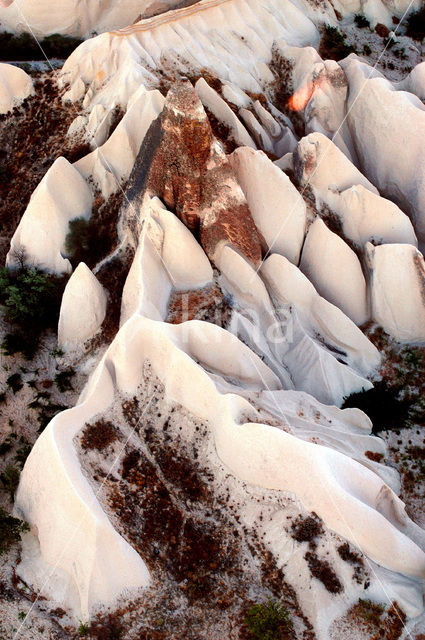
(191, 174)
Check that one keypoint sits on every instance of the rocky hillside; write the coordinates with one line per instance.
(213, 323)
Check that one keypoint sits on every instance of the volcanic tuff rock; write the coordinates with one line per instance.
(210, 426)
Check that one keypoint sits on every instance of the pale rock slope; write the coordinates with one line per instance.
(322, 320)
(397, 306)
(414, 82)
(335, 271)
(275, 332)
(183, 42)
(61, 196)
(394, 163)
(82, 310)
(71, 17)
(362, 214)
(15, 86)
(110, 164)
(278, 210)
(160, 253)
(319, 163)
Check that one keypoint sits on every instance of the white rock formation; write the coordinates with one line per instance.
(319, 163)
(61, 196)
(221, 110)
(275, 332)
(398, 290)
(110, 165)
(15, 86)
(82, 310)
(168, 257)
(335, 271)
(377, 10)
(278, 210)
(414, 81)
(396, 163)
(96, 564)
(114, 65)
(322, 320)
(72, 17)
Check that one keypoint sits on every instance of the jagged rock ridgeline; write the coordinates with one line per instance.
(192, 175)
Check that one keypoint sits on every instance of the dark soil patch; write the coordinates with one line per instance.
(32, 137)
(99, 435)
(322, 570)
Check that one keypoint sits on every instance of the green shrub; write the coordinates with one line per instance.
(83, 629)
(19, 342)
(30, 299)
(268, 621)
(361, 21)
(11, 530)
(333, 45)
(367, 50)
(368, 611)
(415, 24)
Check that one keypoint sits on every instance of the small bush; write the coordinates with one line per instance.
(63, 380)
(10, 480)
(322, 570)
(367, 50)
(83, 629)
(368, 611)
(306, 529)
(333, 45)
(19, 342)
(14, 382)
(269, 621)
(361, 21)
(98, 435)
(415, 24)
(31, 301)
(11, 530)
(382, 405)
